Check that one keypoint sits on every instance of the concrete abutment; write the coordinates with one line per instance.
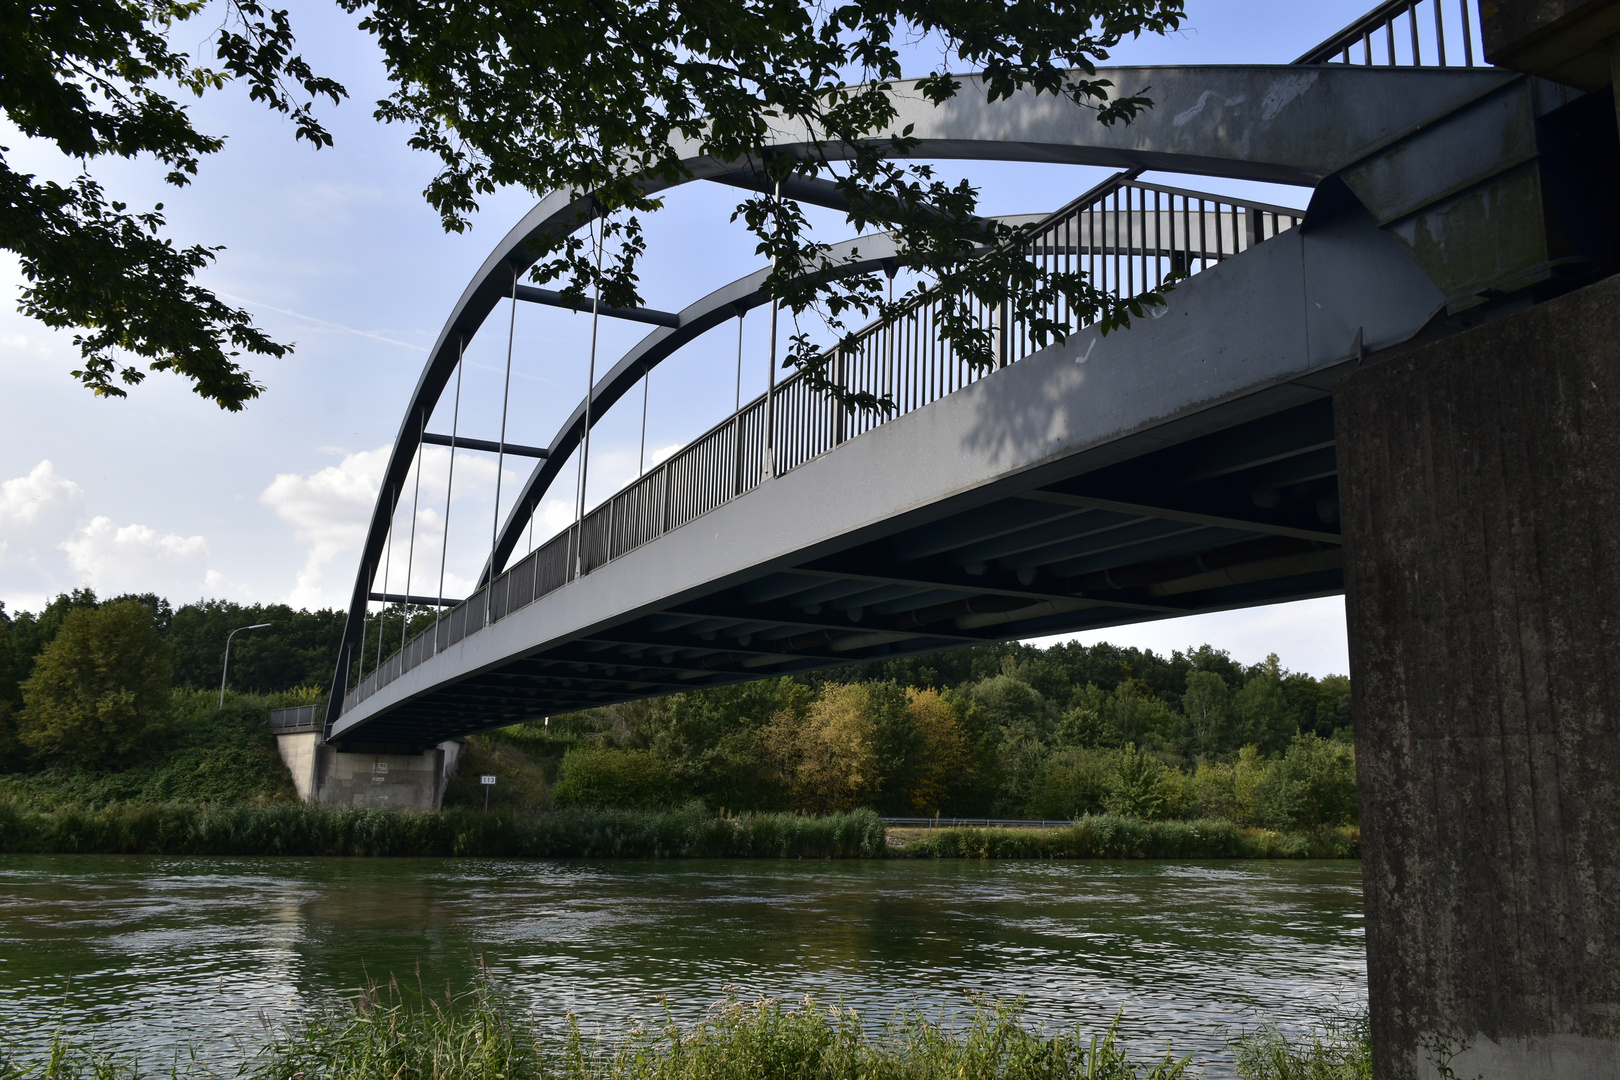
(1480, 488)
(385, 776)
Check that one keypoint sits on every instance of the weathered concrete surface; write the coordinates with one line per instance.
(1567, 40)
(332, 777)
(1480, 492)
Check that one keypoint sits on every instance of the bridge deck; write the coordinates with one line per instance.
(1185, 465)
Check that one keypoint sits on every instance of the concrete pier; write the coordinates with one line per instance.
(1480, 487)
(361, 776)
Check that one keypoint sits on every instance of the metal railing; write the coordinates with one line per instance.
(299, 718)
(1395, 34)
(1129, 236)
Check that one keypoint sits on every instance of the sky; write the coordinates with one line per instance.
(337, 252)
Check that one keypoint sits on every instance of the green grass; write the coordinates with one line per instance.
(1107, 836)
(288, 828)
(1339, 1049)
(395, 1034)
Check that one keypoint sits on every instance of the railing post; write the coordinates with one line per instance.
(1003, 338)
(1251, 227)
(663, 514)
(838, 407)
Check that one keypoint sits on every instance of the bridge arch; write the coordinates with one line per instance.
(1275, 124)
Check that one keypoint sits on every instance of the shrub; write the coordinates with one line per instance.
(1138, 788)
(603, 776)
(1312, 786)
(100, 689)
(525, 779)
(1072, 782)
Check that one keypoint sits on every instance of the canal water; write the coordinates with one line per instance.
(160, 956)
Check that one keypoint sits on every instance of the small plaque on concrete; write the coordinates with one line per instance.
(486, 779)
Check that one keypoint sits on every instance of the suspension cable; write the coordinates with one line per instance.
(646, 387)
(410, 552)
(770, 386)
(369, 573)
(500, 456)
(388, 560)
(449, 486)
(590, 386)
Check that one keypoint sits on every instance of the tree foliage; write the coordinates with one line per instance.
(100, 690)
(620, 98)
(91, 77)
(615, 99)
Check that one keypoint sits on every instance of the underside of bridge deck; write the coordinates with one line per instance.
(1247, 515)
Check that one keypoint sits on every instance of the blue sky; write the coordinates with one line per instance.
(336, 250)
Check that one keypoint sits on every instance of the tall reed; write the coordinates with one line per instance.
(1339, 1049)
(1107, 836)
(288, 828)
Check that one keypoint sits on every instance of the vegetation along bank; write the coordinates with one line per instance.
(112, 738)
(393, 1031)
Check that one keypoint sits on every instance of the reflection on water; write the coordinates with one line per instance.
(159, 953)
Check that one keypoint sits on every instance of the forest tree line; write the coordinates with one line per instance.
(1003, 730)
(993, 731)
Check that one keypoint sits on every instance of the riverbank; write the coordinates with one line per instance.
(288, 828)
(1109, 836)
(389, 1032)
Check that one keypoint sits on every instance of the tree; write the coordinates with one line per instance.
(827, 757)
(610, 98)
(87, 77)
(1138, 788)
(100, 689)
(943, 763)
(1312, 786)
(1263, 711)
(1206, 707)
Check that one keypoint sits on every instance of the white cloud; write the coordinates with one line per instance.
(330, 510)
(135, 558)
(37, 512)
(43, 551)
(36, 507)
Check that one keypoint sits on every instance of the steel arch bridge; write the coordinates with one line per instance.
(1185, 465)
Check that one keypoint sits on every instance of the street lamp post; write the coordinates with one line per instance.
(227, 672)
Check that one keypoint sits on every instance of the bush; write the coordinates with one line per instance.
(206, 754)
(100, 689)
(1314, 785)
(600, 776)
